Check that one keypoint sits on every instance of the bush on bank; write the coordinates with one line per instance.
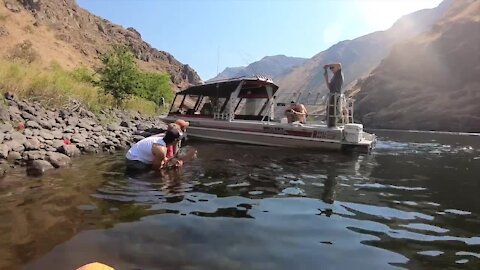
(55, 87)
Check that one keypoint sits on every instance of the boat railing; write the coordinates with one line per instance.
(339, 109)
(221, 116)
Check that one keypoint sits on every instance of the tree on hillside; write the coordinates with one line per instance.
(155, 87)
(119, 74)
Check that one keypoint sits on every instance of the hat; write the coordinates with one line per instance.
(171, 135)
(293, 101)
(182, 123)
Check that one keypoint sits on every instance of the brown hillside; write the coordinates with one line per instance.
(61, 31)
(358, 56)
(431, 82)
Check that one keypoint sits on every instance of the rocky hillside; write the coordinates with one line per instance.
(430, 82)
(358, 56)
(61, 31)
(270, 66)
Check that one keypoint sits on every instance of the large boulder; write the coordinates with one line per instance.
(15, 146)
(4, 149)
(58, 160)
(38, 167)
(32, 144)
(69, 150)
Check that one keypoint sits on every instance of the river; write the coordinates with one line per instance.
(412, 204)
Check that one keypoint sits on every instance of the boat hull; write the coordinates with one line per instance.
(273, 134)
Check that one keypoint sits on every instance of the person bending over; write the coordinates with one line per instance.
(151, 152)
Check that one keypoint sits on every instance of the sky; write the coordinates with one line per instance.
(210, 35)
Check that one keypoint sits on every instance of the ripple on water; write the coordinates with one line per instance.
(293, 191)
(466, 253)
(424, 227)
(457, 212)
(432, 253)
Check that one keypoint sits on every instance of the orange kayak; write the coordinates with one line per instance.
(95, 266)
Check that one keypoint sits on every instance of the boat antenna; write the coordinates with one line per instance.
(218, 56)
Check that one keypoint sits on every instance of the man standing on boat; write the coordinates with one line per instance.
(336, 102)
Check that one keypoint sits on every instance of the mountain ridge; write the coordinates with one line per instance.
(269, 66)
(358, 56)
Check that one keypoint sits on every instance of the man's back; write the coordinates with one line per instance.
(337, 82)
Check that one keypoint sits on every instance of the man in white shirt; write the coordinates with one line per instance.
(151, 152)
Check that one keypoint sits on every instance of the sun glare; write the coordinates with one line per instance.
(381, 14)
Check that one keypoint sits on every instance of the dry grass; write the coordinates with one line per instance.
(3, 17)
(55, 86)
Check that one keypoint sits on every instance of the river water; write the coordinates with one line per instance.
(412, 204)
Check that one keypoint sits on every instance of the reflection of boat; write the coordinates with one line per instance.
(241, 110)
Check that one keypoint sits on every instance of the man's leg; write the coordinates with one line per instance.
(137, 166)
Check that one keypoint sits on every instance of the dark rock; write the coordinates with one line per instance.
(33, 124)
(45, 124)
(38, 167)
(69, 150)
(34, 155)
(32, 144)
(4, 114)
(27, 132)
(13, 6)
(46, 135)
(13, 156)
(69, 129)
(15, 146)
(77, 138)
(32, 5)
(57, 134)
(4, 149)
(137, 138)
(28, 116)
(25, 107)
(57, 143)
(6, 127)
(97, 129)
(72, 121)
(113, 127)
(142, 127)
(19, 137)
(64, 114)
(58, 160)
(85, 124)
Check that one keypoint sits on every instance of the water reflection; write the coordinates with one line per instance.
(244, 207)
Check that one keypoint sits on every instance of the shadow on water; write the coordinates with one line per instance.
(408, 205)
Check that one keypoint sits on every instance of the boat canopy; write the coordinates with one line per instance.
(251, 88)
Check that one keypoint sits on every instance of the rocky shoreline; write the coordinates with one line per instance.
(41, 139)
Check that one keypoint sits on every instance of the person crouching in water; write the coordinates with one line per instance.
(151, 153)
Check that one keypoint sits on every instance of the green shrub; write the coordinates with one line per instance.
(84, 74)
(155, 87)
(118, 75)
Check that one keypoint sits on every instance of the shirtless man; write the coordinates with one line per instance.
(296, 112)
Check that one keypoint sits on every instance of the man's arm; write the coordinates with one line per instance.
(159, 156)
(325, 75)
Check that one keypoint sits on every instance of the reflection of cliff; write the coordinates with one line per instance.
(430, 82)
